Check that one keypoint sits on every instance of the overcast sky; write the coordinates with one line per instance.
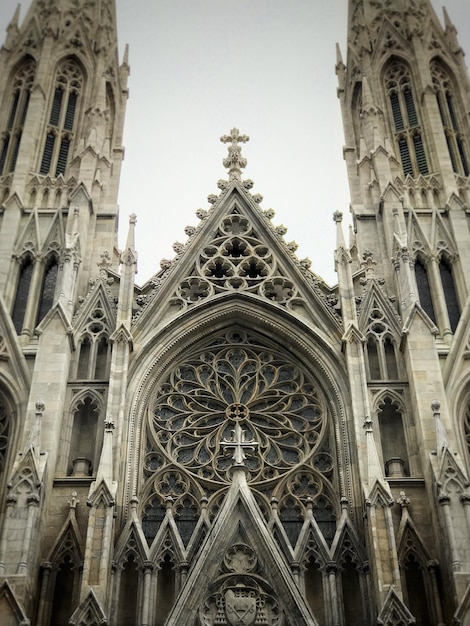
(201, 67)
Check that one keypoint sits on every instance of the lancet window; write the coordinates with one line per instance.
(22, 292)
(35, 291)
(94, 348)
(449, 111)
(18, 108)
(435, 282)
(381, 355)
(60, 130)
(405, 120)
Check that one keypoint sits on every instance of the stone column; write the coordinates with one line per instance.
(148, 573)
(46, 568)
(331, 570)
(432, 566)
(444, 501)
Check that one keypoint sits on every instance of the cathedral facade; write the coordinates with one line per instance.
(235, 442)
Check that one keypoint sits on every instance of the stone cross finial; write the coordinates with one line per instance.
(239, 444)
(234, 162)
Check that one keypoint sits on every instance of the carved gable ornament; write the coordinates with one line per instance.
(240, 597)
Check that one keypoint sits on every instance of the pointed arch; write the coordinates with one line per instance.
(391, 416)
(450, 111)
(86, 433)
(61, 574)
(17, 109)
(25, 275)
(63, 114)
(48, 287)
(405, 116)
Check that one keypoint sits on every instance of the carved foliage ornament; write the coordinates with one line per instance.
(233, 384)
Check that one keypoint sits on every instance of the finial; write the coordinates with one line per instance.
(234, 162)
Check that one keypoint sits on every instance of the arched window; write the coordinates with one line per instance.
(450, 292)
(424, 289)
(61, 127)
(352, 589)
(450, 118)
(392, 436)
(406, 126)
(22, 293)
(381, 356)
(94, 348)
(11, 138)
(48, 287)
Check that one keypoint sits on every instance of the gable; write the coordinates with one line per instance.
(236, 249)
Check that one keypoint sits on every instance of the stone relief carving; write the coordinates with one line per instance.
(240, 596)
(236, 260)
(236, 381)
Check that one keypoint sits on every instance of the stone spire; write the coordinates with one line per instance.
(234, 162)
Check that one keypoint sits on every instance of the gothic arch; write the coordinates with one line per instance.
(402, 99)
(158, 357)
(16, 106)
(392, 425)
(83, 433)
(65, 110)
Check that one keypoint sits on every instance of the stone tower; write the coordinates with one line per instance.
(234, 443)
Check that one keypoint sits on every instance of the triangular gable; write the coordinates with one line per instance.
(68, 541)
(11, 612)
(132, 534)
(375, 298)
(57, 310)
(54, 238)
(417, 238)
(236, 249)
(450, 475)
(346, 534)
(417, 312)
(89, 612)
(30, 239)
(394, 612)
(99, 297)
(239, 530)
(389, 38)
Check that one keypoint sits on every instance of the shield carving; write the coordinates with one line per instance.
(240, 606)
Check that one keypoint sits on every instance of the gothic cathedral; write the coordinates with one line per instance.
(234, 443)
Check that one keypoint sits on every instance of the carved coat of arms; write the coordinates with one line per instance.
(240, 606)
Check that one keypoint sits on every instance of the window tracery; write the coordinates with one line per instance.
(11, 137)
(381, 355)
(236, 259)
(233, 381)
(450, 118)
(406, 126)
(61, 127)
(93, 361)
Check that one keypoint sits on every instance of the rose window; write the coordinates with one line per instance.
(236, 388)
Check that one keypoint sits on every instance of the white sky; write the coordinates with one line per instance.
(201, 67)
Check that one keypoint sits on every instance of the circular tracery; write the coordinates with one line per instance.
(237, 380)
